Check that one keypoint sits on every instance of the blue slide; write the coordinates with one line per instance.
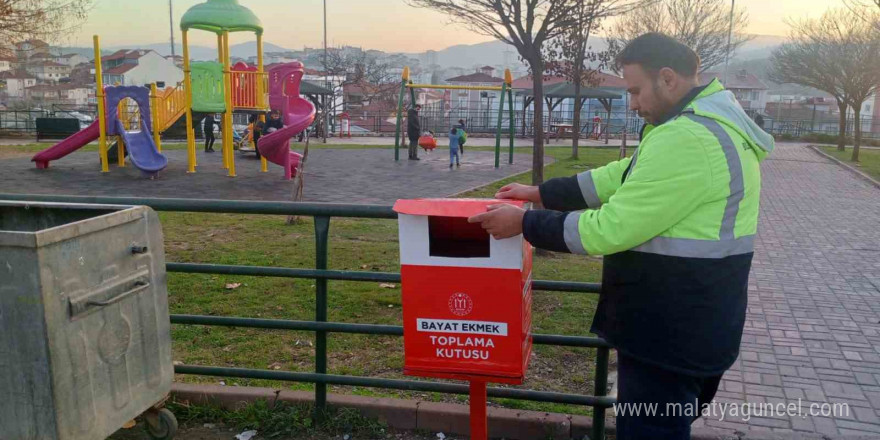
(142, 149)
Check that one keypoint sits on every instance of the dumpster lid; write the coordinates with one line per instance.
(450, 207)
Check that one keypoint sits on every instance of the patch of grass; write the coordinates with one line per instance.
(869, 160)
(281, 419)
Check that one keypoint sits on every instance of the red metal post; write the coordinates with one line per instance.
(479, 428)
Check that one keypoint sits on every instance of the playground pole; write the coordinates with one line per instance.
(187, 83)
(220, 59)
(261, 99)
(102, 112)
(403, 82)
(508, 78)
(154, 112)
(227, 132)
(498, 128)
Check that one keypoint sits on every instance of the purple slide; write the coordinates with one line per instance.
(298, 114)
(67, 146)
(142, 149)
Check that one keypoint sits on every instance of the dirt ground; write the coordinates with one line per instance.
(203, 431)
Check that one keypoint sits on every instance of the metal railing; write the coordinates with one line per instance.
(322, 213)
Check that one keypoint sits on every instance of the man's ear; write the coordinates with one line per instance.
(667, 78)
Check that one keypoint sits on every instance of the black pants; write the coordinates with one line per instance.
(414, 147)
(677, 398)
(209, 140)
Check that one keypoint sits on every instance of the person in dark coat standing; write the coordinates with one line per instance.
(759, 120)
(413, 131)
(209, 123)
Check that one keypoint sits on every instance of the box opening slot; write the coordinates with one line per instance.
(454, 237)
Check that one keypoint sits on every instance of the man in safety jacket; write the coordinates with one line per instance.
(676, 223)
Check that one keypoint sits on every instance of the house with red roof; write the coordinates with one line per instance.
(17, 82)
(47, 70)
(139, 67)
(469, 104)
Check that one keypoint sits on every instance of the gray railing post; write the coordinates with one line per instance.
(322, 232)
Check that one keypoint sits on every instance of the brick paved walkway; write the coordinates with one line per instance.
(813, 323)
(340, 176)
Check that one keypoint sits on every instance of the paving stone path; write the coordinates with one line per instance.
(334, 175)
(813, 325)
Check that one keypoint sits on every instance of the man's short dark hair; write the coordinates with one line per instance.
(654, 51)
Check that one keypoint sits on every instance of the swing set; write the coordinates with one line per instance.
(506, 92)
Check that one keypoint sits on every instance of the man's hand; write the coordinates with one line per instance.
(518, 191)
(501, 221)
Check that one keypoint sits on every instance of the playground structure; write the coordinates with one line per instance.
(208, 87)
(506, 90)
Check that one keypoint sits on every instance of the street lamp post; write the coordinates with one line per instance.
(327, 79)
(729, 35)
(171, 26)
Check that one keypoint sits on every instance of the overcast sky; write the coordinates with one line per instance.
(388, 25)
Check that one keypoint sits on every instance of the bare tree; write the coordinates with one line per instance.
(372, 74)
(524, 24)
(703, 25)
(838, 52)
(865, 9)
(46, 19)
(571, 56)
(809, 63)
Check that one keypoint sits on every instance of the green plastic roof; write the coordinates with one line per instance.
(221, 15)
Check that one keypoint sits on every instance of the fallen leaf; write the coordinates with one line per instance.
(364, 266)
(387, 285)
(275, 366)
(390, 306)
(231, 286)
(227, 348)
(177, 363)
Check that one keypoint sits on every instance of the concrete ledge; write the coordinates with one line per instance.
(847, 166)
(452, 418)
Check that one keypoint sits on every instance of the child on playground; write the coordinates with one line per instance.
(454, 146)
(274, 123)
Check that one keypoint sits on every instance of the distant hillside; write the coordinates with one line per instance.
(496, 53)
(242, 50)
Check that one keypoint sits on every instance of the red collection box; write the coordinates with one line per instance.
(467, 298)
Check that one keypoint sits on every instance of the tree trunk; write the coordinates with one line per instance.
(841, 136)
(538, 144)
(857, 121)
(576, 121)
(299, 181)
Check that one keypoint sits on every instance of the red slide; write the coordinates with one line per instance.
(67, 146)
(297, 112)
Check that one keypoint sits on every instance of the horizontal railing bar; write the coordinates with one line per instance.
(348, 275)
(340, 275)
(222, 206)
(367, 329)
(396, 384)
(450, 87)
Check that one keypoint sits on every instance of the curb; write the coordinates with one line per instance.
(848, 167)
(453, 418)
(401, 414)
